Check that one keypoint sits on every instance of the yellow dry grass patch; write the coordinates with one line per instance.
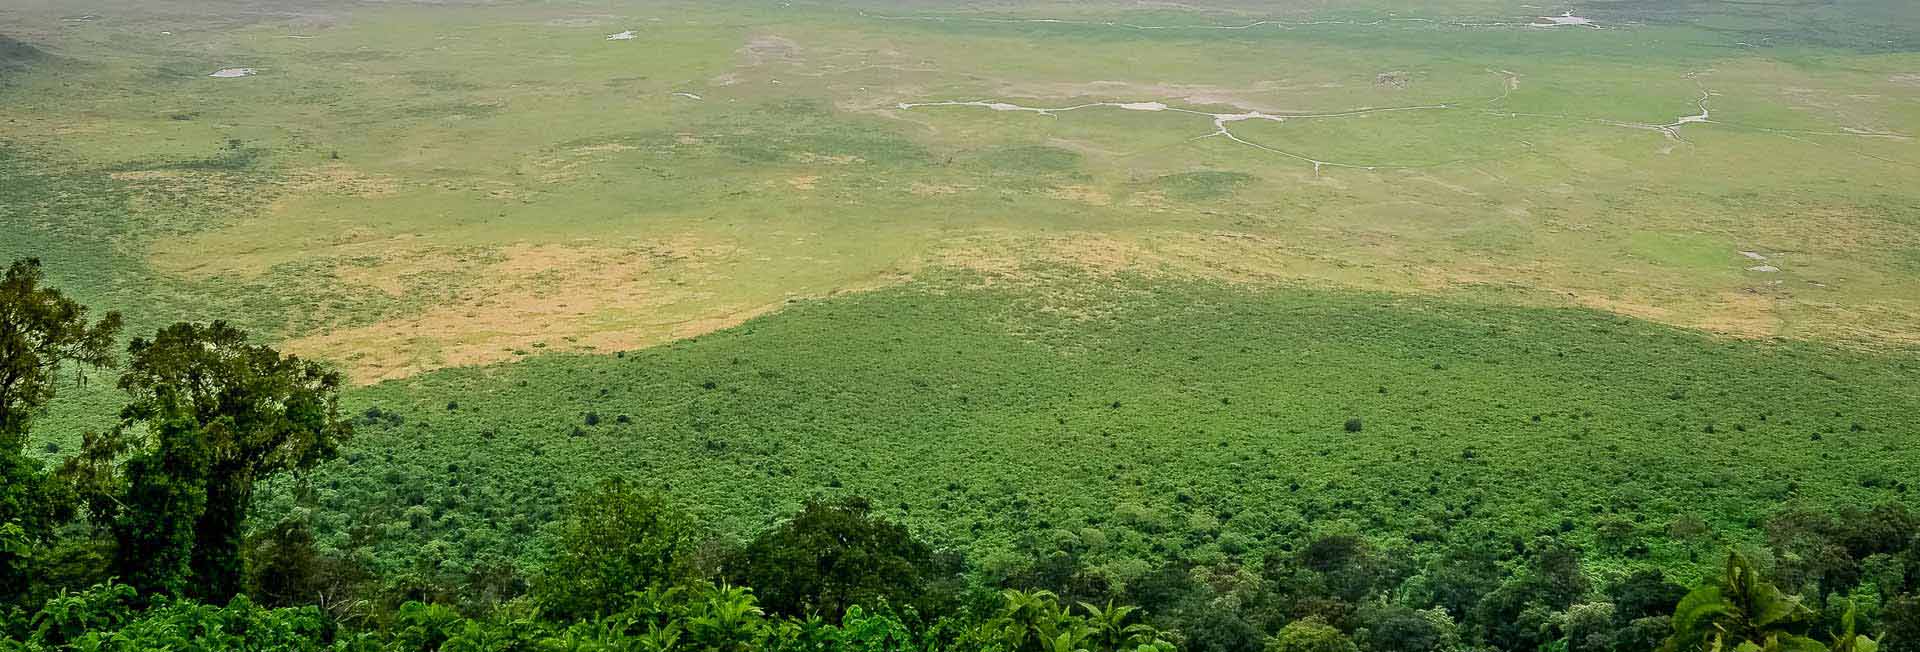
(1221, 255)
(1011, 258)
(811, 158)
(341, 179)
(1007, 256)
(537, 298)
(1083, 194)
(406, 269)
(1741, 314)
(581, 297)
(924, 189)
(611, 147)
(174, 179)
(333, 179)
(1864, 324)
(1152, 201)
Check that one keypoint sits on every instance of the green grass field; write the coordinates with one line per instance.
(1111, 275)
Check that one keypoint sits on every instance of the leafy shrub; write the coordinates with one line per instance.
(614, 539)
(1310, 635)
(832, 556)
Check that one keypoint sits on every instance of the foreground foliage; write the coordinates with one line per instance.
(704, 617)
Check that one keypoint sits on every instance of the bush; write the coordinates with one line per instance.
(241, 625)
(1901, 621)
(1310, 635)
(1589, 627)
(833, 556)
(1222, 630)
(1353, 425)
(1396, 628)
(70, 616)
(1645, 593)
(614, 539)
(1643, 634)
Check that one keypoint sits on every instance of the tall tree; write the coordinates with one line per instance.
(211, 416)
(42, 332)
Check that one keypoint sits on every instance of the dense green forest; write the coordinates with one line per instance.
(227, 503)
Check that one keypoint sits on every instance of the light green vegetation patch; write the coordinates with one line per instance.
(1201, 185)
(1681, 250)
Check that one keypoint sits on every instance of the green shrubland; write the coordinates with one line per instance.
(1139, 421)
(738, 336)
(1191, 477)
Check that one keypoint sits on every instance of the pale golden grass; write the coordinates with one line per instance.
(1758, 312)
(547, 297)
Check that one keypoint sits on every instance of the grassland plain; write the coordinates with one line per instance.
(1181, 245)
(472, 183)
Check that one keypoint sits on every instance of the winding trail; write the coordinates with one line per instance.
(1510, 81)
(1672, 129)
(1566, 20)
(1220, 122)
(1705, 116)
